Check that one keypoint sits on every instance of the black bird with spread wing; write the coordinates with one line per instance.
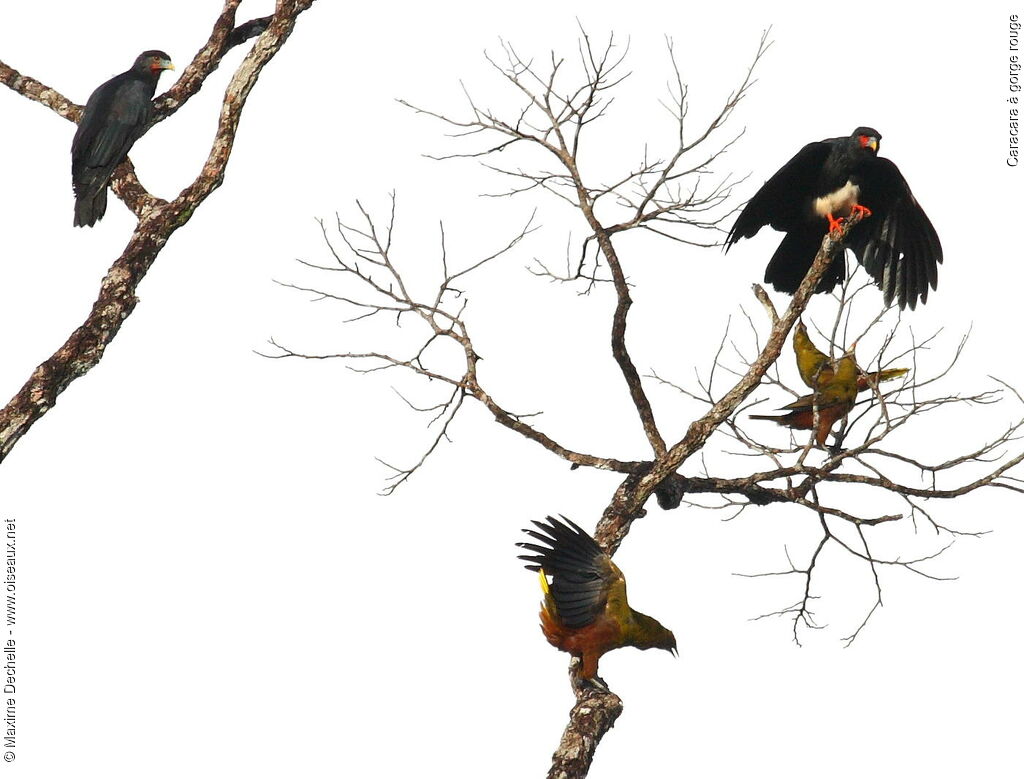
(824, 183)
(116, 116)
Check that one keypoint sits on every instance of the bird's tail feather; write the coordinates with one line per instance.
(90, 207)
(793, 259)
(866, 380)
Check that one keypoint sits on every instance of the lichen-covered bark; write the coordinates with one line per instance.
(593, 715)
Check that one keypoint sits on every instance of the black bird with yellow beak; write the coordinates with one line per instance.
(115, 117)
(823, 184)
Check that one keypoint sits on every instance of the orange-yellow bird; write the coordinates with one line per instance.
(835, 396)
(816, 368)
(584, 611)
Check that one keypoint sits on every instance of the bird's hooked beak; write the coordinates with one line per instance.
(156, 63)
(869, 142)
(674, 652)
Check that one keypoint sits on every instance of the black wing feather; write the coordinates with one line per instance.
(897, 244)
(578, 568)
(794, 257)
(779, 202)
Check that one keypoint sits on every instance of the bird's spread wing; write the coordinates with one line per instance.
(780, 202)
(897, 244)
(581, 574)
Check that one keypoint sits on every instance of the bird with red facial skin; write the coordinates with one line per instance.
(823, 184)
(116, 115)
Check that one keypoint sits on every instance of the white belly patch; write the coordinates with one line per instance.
(838, 203)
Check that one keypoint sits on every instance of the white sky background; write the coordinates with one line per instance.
(208, 582)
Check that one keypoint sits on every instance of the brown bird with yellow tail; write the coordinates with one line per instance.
(836, 385)
(833, 399)
(585, 611)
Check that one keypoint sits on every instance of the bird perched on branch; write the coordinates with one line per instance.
(833, 398)
(584, 611)
(116, 115)
(816, 368)
(826, 182)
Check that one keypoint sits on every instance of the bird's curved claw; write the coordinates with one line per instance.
(834, 223)
(864, 211)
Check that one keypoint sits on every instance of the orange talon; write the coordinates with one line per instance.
(864, 211)
(834, 224)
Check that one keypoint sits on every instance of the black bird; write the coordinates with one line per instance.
(116, 115)
(824, 183)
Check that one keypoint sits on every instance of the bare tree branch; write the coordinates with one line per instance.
(591, 717)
